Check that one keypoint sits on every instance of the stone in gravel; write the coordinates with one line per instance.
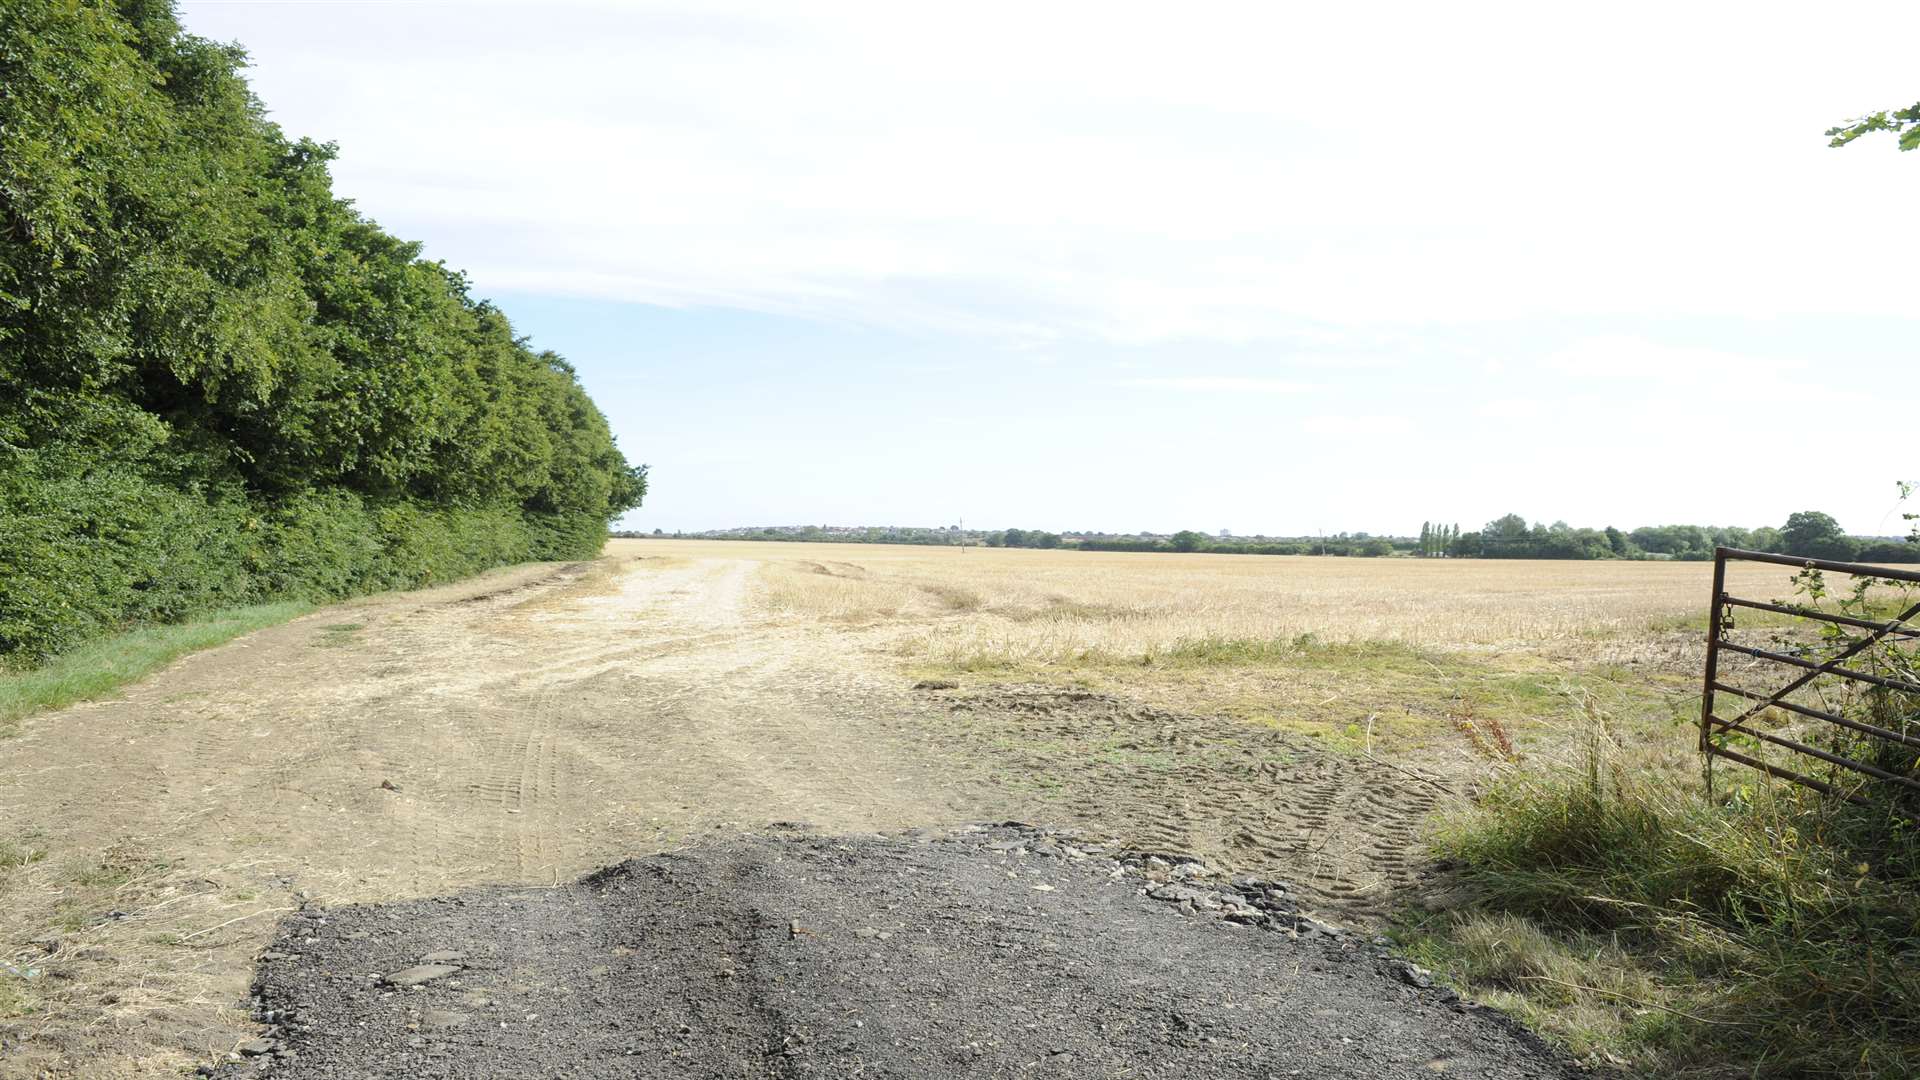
(443, 1018)
(1414, 975)
(936, 684)
(1203, 899)
(444, 956)
(420, 974)
(257, 1047)
(866, 932)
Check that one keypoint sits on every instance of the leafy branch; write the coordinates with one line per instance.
(1904, 123)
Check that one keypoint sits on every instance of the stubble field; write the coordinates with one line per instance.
(1374, 654)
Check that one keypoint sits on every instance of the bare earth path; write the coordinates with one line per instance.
(522, 728)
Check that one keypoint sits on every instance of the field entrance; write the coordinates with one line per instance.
(1293, 717)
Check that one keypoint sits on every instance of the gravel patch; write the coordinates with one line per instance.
(991, 951)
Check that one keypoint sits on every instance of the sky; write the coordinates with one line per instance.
(1272, 268)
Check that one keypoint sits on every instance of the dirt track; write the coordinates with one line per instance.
(535, 724)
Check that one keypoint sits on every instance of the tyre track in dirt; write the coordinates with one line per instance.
(1344, 828)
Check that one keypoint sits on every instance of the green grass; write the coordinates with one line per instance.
(339, 634)
(16, 999)
(1618, 906)
(22, 852)
(1390, 696)
(97, 669)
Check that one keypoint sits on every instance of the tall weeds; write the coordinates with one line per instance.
(1764, 932)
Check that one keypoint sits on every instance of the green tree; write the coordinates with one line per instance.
(1507, 537)
(222, 384)
(1189, 540)
(1813, 534)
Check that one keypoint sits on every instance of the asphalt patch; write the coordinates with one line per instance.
(992, 952)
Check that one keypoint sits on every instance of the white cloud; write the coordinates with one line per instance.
(1625, 357)
(1231, 173)
(1511, 409)
(1358, 427)
(1231, 384)
(1675, 386)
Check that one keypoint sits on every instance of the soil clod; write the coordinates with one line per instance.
(420, 974)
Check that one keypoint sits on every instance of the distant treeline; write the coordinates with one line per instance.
(1360, 545)
(219, 383)
(833, 534)
(1809, 533)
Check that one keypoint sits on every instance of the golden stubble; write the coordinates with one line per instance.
(1013, 606)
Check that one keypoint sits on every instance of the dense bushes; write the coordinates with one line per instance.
(219, 383)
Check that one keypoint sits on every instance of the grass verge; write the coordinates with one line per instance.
(1616, 905)
(99, 668)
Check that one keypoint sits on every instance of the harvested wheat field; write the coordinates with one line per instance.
(1294, 717)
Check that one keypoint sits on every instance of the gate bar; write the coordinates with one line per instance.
(1817, 714)
(1852, 569)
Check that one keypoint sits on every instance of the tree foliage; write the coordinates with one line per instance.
(1903, 123)
(1809, 533)
(222, 383)
(1814, 534)
(1189, 540)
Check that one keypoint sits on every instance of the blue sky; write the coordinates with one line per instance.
(1267, 268)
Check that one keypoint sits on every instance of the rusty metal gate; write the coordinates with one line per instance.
(1864, 641)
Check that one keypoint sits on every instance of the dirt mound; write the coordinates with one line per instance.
(1249, 797)
(988, 952)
